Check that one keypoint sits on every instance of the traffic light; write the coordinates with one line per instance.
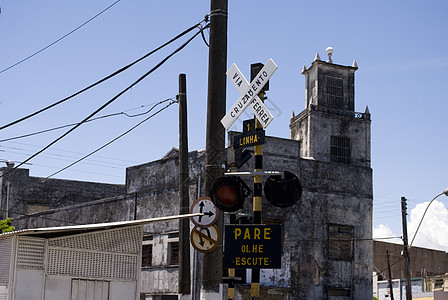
(229, 192)
(283, 192)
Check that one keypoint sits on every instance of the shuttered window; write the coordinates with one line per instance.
(340, 242)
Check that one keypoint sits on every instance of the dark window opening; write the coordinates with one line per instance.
(146, 256)
(340, 150)
(339, 293)
(438, 284)
(340, 242)
(173, 253)
(335, 93)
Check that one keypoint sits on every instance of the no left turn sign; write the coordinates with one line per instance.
(205, 239)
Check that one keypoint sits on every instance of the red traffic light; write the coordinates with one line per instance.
(228, 193)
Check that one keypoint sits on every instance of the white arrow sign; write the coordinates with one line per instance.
(249, 95)
(205, 206)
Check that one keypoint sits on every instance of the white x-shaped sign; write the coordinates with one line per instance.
(249, 95)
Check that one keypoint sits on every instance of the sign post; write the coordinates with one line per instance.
(251, 95)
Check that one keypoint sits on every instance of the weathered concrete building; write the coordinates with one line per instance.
(22, 194)
(424, 262)
(326, 242)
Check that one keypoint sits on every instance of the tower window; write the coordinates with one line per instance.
(335, 93)
(313, 90)
(340, 150)
(340, 242)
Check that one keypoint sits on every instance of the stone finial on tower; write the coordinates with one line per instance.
(329, 51)
(355, 64)
(317, 57)
(303, 69)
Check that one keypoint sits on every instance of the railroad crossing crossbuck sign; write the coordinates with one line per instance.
(249, 95)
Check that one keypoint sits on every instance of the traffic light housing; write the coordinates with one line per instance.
(228, 193)
(283, 192)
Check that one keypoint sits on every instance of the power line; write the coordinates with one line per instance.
(69, 158)
(118, 137)
(73, 124)
(107, 103)
(76, 152)
(39, 217)
(390, 265)
(59, 39)
(111, 75)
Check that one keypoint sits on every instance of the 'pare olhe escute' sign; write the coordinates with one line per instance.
(252, 246)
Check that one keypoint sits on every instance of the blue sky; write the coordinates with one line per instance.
(400, 48)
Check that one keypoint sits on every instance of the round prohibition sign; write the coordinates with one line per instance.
(205, 206)
(205, 239)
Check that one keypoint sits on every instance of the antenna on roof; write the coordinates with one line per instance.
(329, 51)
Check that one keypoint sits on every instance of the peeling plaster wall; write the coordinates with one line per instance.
(29, 194)
(156, 186)
(332, 194)
(100, 211)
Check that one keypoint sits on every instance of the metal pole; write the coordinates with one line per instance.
(258, 185)
(184, 287)
(407, 262)
(212, 267)
(390, 276)
(418, 227)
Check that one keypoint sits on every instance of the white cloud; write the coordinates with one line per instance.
(433, 232)
(383, 233)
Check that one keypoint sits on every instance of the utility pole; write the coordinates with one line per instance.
(212, 266)
(407, 262)
(184, 286)
(391, 287)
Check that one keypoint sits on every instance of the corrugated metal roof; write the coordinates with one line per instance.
(91, 227)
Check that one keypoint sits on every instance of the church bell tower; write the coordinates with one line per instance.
(328, 128)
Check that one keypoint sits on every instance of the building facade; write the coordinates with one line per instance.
(326, 236)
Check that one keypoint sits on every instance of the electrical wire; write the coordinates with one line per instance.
(59, 39)
(73, 124)
(109, 76)
(387, 268)
(75, 152)
(95, 163)
(39, 217)
(118, 137)
(106, 104)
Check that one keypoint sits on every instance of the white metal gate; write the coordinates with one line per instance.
(83, 289)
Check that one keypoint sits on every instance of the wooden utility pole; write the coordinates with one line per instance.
(184, 286)
(212, 266)
(407, 262)
(391, 286)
